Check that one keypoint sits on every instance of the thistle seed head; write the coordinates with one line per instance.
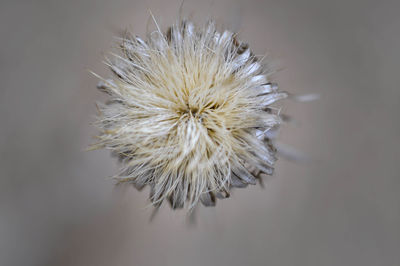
(189, 113)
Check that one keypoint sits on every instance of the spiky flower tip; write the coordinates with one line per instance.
(189, 114)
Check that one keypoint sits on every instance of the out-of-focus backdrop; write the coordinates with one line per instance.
(57, 206)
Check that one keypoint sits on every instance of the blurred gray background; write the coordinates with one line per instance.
(57, 206)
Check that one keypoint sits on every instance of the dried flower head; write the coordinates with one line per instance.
(189, 114)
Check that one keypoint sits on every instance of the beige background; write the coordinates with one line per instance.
(342, 208)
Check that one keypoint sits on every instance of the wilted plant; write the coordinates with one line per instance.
(189, 114)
